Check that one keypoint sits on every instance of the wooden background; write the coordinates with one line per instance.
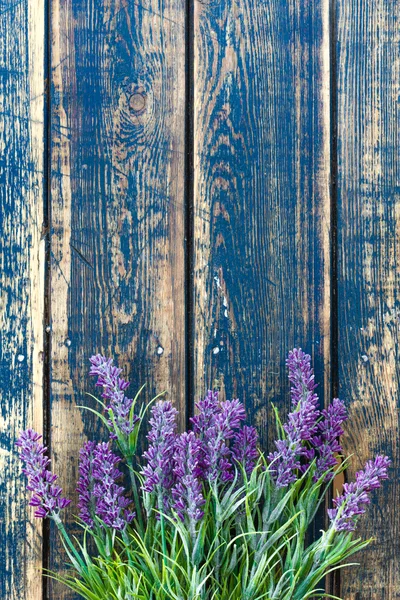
(194, 188)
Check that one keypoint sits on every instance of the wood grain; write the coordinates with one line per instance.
(368, 75)
(22, 85)
(261, 206)
(117, 225)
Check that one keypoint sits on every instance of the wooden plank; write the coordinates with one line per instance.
(117, 237)
(262, 208)
(368, 66)
(21, 284)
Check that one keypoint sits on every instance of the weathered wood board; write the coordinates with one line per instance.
(22, 104)
(117, 208)
(368, 100)
(261, 198)
(218, 181)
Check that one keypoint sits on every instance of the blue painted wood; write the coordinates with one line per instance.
(21, 294)
(368, 75)
(117, 224)
(261, 208)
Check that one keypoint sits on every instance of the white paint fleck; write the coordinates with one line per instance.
(215, 350)
(225, 302)
(217, 281)
(20, 358)
(160, 350)
(226, 313)
(68, 342)
(365, 358)
(48, 329)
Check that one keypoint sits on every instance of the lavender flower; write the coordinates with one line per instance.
(46, 496)
(285, 461)
(355, 498)
(207, 412)
(187, 492)
(216, 462)
(244, 450)
(158, 473)
(84, 487)
(99, 469)
(108, 377)
(326, 443)
(302, 423)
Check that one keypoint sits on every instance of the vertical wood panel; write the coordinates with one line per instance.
(261, 208)
(368, 64)
(117, 238)
(21, 284)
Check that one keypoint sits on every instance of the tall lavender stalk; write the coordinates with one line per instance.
(84, 487)
(99, 494)
(215, 424)
(187, 491)
(158, 473)
(355, 497)
(326, 444)
(302, 423)
(46, 495)
(114, 386)
(244, 449)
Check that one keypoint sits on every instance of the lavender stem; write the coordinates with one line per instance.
(139, 514)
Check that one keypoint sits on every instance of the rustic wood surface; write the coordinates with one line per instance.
(22, 85)
(217, 181)
(368, 76)
(117, 204)
(261, 198)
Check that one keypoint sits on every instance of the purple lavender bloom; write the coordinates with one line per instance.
(244, 449)
(111, 505)
(86, 504)
(216, 459)
(355, 498)
(158, 473)
(46, 496)
(326, 443)
(187, 492)
(114, 386)
(285, 461)
(302, 423)
(207, 412)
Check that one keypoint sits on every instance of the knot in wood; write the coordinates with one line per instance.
(137, 103)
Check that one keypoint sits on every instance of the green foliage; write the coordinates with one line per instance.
(250, 545)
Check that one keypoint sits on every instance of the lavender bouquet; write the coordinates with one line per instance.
(207, 516)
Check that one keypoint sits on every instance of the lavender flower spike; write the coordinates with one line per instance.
(187, 492)
(114, 386)
(302, 423)
(355, 497)
(158, 473)
(46, 496)
(326, 443)
(208, 409)
(111, 506)
(244, 449)
(84, 487)
(217, 465)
